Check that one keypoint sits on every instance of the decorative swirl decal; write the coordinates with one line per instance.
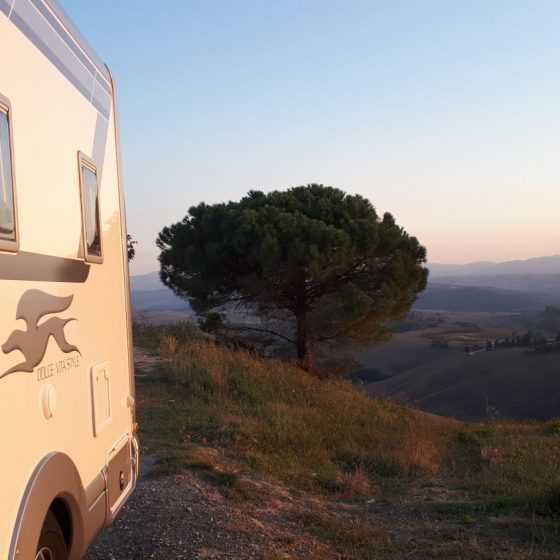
(32, 342)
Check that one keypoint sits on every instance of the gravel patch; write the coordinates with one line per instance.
(171, 518)
(186, 517)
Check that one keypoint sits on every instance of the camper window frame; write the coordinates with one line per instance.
(10, 243)
(85, 161)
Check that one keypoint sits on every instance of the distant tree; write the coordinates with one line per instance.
(315, 263)
(131, 250)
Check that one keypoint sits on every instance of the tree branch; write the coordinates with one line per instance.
(244, 328)
(329, 285)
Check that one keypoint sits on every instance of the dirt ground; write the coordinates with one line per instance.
(185, 516)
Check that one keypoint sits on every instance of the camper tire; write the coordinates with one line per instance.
(52, 545)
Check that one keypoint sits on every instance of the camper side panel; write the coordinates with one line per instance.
(65, 381)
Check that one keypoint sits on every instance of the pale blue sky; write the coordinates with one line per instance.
(445, 113)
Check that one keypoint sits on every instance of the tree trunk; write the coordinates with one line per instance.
(303, 343)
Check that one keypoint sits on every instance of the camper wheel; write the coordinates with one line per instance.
(52, 545)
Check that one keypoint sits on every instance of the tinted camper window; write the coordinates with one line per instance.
(7, 206)
(90, 212)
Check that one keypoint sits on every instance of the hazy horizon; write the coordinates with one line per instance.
(428, 264)
(444, 114)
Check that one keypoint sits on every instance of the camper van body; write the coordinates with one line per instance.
(67, 432)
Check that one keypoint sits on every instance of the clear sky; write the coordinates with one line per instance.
(445, 113)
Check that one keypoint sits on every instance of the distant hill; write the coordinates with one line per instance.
(158, 300)
(468, 298)
(517, 383)
(538, 278)
(541, 284)
(155, 303)
(403, 352)
(539, 265)
(148, 281)
(483, 286)
(159, 307)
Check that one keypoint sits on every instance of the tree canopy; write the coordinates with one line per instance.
(320, 261)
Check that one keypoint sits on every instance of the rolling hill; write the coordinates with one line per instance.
(514, 286)
(534, 281)
(158, 300)
(514, 382)
(145, 282)
(544, 285)
(473, 298)
(152, 302)
(539, 265)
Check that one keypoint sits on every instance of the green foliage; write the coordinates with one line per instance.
(130, 248)
(322, 263)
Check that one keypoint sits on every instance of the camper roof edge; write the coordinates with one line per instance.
(56, 7)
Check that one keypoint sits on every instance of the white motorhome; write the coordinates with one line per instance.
(69, 454)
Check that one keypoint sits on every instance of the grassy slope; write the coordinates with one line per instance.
(328, 437)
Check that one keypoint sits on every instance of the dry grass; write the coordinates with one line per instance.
(328, 437)
(328, 434)
(354, 538)
(317, 434)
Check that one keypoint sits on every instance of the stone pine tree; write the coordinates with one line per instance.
(321, 261)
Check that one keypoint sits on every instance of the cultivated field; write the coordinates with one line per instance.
(507, 383)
